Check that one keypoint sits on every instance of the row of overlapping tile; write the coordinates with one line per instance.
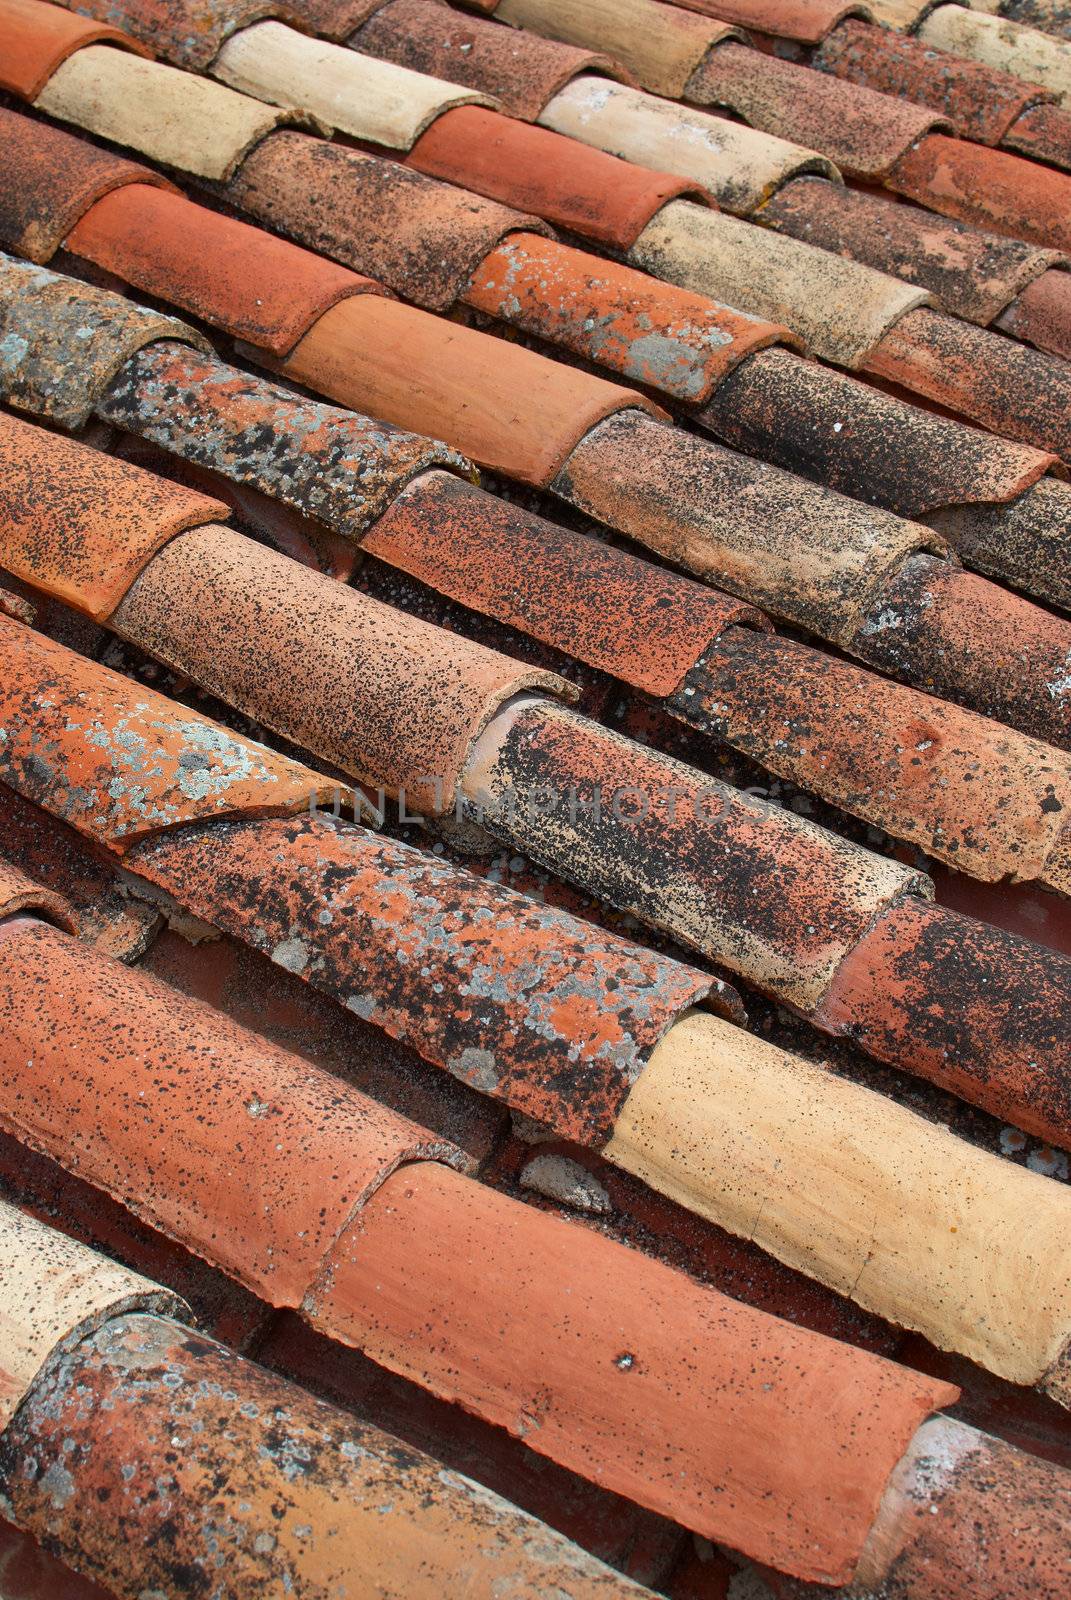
(566, 1032)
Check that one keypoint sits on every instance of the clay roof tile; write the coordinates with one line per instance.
(248, 1155)
(35, 39)
(62, 342)
(115, 759)
(982, 103)
(421, 238)
(51, 180)
(230, 274)
(587, 191)
(19, 893)
(520, 69)
(187, 32)
(864, 132)
(807, 21)
(56, 1292)
(337, 466)
(660, 45)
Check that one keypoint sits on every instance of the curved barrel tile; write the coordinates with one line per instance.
(660, 45)
(56, 1293)
(740, 166)
(118, 761)
(247, 1155)
(677, 343)
(210, 265)
(37, 39)
(62, 342)
(51, 179)
(355, 94)
(422, 238)
(373, 691)
(269, 1491)
(343, 469)
(80, 524)
(504, 406)
(806, 21)
(584, 190)
(988, 188)
(839, 308)
(970, 274)
(522, 1001)
(188, 32)
(981, 103)
(1008, 46)
(796, 549)
(754, 888)
(852, 437)
(521, 70)
(170, 116)
(863, 132)
(646, 625)
(614, 1342)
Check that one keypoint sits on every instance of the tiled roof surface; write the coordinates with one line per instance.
(570, 971)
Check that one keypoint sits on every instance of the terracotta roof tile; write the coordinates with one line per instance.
(98, 1403)
(963, 638)
(1043, 132)
(36, 39)
(363, 1507)
(988, 801)
(82, 525)
(723, 516)
(358, 95)
(19, 893)
(584, 190)
(421, 238)
(647, 625)
(339, 467)
(674, 342)
(211, 265)
(970, 274)
(188, 32)
(503, 405)
(863, 132)
(371, 690)
(982, 103)
(52, 181)
(269, 887)
(991, 187)
(996, 42)
(56, 1292)
(661, 47)
(788, 938)
(495, 987)
(520, 70)
(739, 165)
(901, 457)
(178, 1081)
(806, 20)
(167, 115)
(1027, 396)
(840, 309)
(1041, 314)
(62, 342)
(131, 766)
(580, 1364)
(877, 991)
